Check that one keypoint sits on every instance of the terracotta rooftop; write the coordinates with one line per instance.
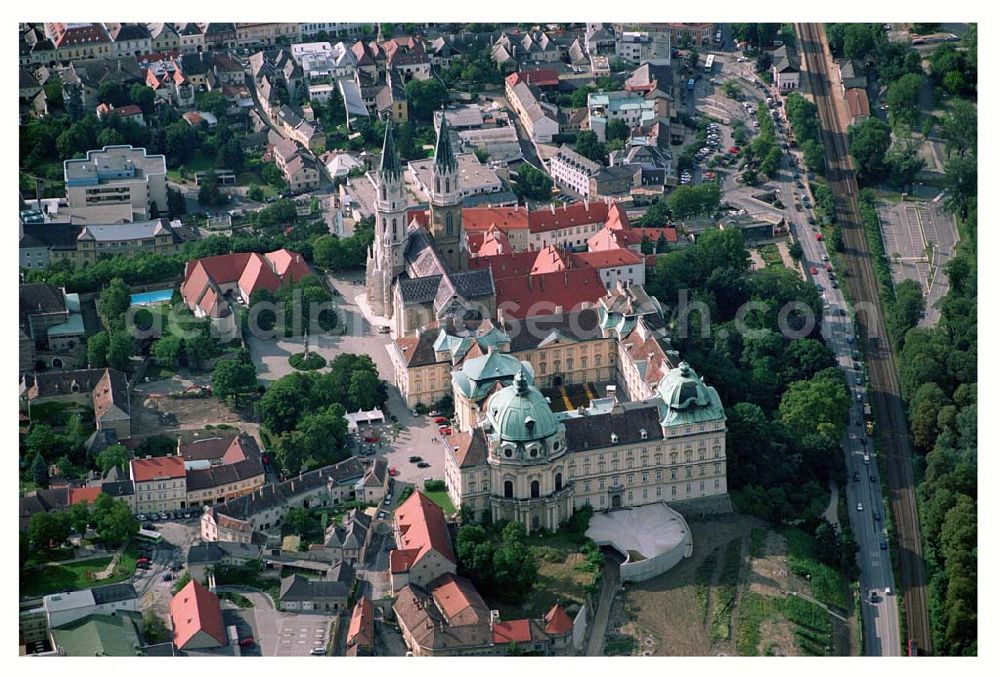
(195, 609)
(557, 621)
(163, 467)
(421, 526)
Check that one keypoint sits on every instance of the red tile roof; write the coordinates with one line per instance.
(83, 494)
(289, 264)
(494, 241)
(541, 77)
(609, 258)
(557, 621)
(576, 214)
(458, 600)
(195, 609)
(400, 561)
(421, 527)
(857, 102)
(361, 628)
(512, 631)
(511, 264)
(669, 233)
(506, 218)
(163, 467)
(549, 293)
(258, 275)
(617, 218)
(549, 260)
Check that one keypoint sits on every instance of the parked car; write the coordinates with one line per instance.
(415, 459)
(445, 432)
(143, 565)
(857, 476)
(434, 412)
(393, 472)
(247, 642)
(423, 464)
(388, 499)
(318, 651)
(168, 576)
(813, 271)
(860, 507)
(882, 545)
(819, 236)
(440, 419)
(164, 516)
(141, 518)
(381, 514)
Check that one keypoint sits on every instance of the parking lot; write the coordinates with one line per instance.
(920, 238)
(288, 634)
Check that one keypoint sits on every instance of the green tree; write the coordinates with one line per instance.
(617, 129)
(819, 405)
(180, 142)
(903, 97)
(283, 403)
(143, 97)
(363, 390)
(208, 192)
(532, 183)
(97, 350)
(113, 456)
(589, 147)
(255, 193)
(176, 205)
(114, 302)
(424, 97)
(197, 349)
(862, 40)
(297, 521)
(232, 377)
(40, 471)
(961, 183)
(167, 351)
(903, 164)
(42, 441)
(114, 521)
(78, 516)
(960, 128)
(48, 529)
(869, 143)
(120, 350)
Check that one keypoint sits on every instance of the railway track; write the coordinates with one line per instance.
(883, 389)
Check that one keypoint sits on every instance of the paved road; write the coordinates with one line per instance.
(609, 586)
(884, 390)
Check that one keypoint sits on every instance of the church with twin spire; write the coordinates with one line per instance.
(415, 274)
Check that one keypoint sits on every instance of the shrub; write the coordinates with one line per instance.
(304, 362)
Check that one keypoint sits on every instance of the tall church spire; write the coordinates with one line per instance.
(444, 157)
(389, 166)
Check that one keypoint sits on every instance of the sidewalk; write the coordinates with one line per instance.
(108, 570)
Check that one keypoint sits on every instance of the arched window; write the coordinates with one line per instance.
(449, 223)
(508, 489)
(383, 191)
(437, 185)
(558, 481)
(395, 233)
(447, 185)
(534, 489)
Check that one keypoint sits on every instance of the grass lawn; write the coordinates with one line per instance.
(197, 163)
(247, 178)
(770, 254)
(55, 414)
(75, 575)
(564, 577)
(441, 498)
(828, 584)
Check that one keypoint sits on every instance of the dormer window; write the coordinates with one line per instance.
(614, 438)
(643, 434)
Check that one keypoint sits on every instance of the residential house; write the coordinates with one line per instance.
(540, 119)
(221, 35)
(163, 37)
(196, 618)
(167, 80)
(265, 34)
(87, 75)
(326, 596)
(79, 40)
(205, 557)
(348, 542)
(390, 102)
(633, 108)
(30, 96)
(107, 390)
(100, 635)
(128, 239)
(263, 510)
(129, 113)
(616, 181)
(129, 39)
(160, 484)
(192, 37)
(408, 58)
(857, 105)
(54, 499)
(66, 607)
(785, 69)
(423, 547)
(572, 171)
(50, 326)
(221, 468)
(361, 630)
(445, 617)
(852, 75)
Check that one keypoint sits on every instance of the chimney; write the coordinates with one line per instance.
(552, 206)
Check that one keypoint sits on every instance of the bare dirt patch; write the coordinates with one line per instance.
(147, 414)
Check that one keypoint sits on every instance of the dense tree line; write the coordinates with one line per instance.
(803, 116)
(304, 411)
(497, 559)
(786, 400)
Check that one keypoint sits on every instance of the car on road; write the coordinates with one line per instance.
(825, 257)
(813, 271)
(888, 591)
(833, 283)
(867, 459)
(819, 236)
(383, 329)
(381, 514)
(143, 565)
(388, 499)
(433, 412)
(393, 472)
(873, 597)
(857, 476)
(871, 477)
(734, 150)
(164, 516)
(423, 464)
(860, 507)
(415, 459)
(168, 576)
(141, 518)
(440, 419)
(247, 642)
(858, 397)
(318, 651)
(882, 545)
(445, 432)
(877, 516)
(859, 379)
(811, 220)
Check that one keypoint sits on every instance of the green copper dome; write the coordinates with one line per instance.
(686, 398)
(519, 412)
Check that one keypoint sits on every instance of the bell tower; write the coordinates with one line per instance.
(446, 203)
(385, 258)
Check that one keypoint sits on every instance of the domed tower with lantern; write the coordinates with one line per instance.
(527, 449)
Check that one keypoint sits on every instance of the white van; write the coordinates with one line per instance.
(867, 459)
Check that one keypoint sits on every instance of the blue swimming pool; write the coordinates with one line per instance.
(152, 298)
